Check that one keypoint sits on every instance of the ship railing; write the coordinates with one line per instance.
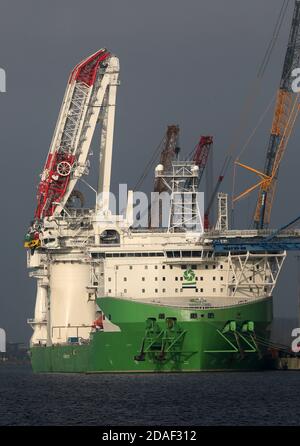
(77, 329)
(32, 321)
(251, 233)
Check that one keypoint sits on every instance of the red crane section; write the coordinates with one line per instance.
(201, 153)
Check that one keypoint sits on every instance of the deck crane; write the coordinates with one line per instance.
(211, 202)
(286, 112)
(200, 158)
(168, 154)
(90, 95)
(201, 153)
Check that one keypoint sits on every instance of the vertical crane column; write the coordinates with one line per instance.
(107, 135)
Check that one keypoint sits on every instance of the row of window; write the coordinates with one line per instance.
(198, 316)
(197, 290)
(101, 255)
(194, 267)
(169, 254)
(179, 254)
(201, 278)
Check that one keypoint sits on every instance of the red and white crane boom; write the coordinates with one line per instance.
(90, 93)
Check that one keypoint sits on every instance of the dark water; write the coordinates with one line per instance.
(255, 398)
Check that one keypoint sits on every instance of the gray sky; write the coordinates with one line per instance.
(189, 62)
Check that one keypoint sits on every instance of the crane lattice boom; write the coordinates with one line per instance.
(285, 114)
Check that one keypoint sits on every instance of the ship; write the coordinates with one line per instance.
(116, 296)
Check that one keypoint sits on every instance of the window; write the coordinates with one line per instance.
(176, 278)
(193, 315)
(109, 291)
(221, 278)
(163, 290)
(130, 267)
(156, 290)
(125, 291)
(214, 266)
(181, 278)
(176, 290)
(221, 266)
(164, 279)
(206, 266)
(196, 289)
(156, 279)
(143, 290)
(171, 266)
(210, 315)
(164, 267)
(181, 290)
(214, 278)
(221, 290)
(201, 278)
(201, 289)
(125, 279)
(194, 266)
(161, 316)
(109, 279)
(143, 279)
(183, 267)
(117, 267)
(214, 290)
(156, 267)
(146, 266)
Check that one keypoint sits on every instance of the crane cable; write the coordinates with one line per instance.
(149, 165)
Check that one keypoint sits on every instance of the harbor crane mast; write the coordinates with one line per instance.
(285, 115)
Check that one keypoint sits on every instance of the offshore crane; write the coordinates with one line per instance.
(285, 114)
(168, 154)
(90, 96)
(201, 153)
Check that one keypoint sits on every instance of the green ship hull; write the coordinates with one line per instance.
(153, 338)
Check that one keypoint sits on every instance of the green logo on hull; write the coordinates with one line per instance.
(189, 277)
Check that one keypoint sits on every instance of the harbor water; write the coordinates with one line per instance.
(198, 399)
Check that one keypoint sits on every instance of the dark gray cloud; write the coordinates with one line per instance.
(189, 62)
